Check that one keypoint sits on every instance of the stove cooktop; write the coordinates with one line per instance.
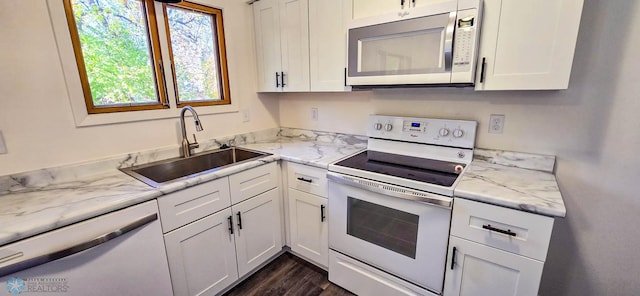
(425, 170)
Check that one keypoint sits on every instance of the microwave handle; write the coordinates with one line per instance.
(448, 42)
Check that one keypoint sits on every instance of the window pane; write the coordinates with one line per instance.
(117, 56)
(195, 56)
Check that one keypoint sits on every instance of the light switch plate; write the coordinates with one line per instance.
(496, 123)
(314, 114)
(3, 147)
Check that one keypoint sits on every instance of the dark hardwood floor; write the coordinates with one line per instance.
(288, 275)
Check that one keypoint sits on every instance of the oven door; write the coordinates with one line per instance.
(390, 231)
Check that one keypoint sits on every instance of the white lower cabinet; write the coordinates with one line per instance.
(202, 256)
(258, 230)
(308, 226)
(211, 251)
(495, 251)
(479, 270)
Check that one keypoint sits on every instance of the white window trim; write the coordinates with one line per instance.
(74, 86)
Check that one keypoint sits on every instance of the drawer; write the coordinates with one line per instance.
(188, 205)
(252, 182)
(362, 279)
(308, 179)
(528, 234)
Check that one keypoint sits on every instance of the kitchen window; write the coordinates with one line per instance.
(117, 47)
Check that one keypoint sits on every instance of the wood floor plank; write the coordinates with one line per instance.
(288, 275)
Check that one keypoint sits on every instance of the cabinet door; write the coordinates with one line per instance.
(367, 8)
(328, 44)
(268, 55)
(258, 230)
(294, 44)
(309, 226)
(528, 44)
(480, 270)
(202, 257)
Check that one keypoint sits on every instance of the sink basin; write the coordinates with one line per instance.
(160, 172)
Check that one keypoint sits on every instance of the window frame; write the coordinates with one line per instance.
(155, 55)
(223, 74)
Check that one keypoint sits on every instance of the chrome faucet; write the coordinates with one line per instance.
(186, 146)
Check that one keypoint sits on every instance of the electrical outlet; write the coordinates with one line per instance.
(496, 123)
(3, 147)
(246, 115)
(314, 114)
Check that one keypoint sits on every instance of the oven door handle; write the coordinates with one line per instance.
(391, 190)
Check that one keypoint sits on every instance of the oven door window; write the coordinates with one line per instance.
(383, 226)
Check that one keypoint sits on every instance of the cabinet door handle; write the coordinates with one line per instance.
(277, 79)
(305, 180)
(345, 76)
(230, 224)
(282, 77)
(402, 3)
(453, 257)
(483, 70)
(322, 216)
(239, 220)
(490, 228)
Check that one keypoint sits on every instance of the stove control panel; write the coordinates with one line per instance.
(445, 132)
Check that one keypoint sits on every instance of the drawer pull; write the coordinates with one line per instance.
(507, 232)
(305, 180)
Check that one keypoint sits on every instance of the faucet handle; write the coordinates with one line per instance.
(195, 142)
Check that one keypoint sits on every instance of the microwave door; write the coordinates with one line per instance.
(414, 51)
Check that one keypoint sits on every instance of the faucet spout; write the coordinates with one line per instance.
(186, 146)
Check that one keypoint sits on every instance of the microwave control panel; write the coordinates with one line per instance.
(465, 40)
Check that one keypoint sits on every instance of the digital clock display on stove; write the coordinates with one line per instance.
(415, 124)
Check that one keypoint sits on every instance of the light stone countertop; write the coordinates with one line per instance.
(36, 202)
(511, 185)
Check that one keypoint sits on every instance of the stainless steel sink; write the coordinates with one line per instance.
(157, 173)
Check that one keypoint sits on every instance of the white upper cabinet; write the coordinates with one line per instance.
(269, 59)
(367, 8)
(301, 45)
(328, 44)
(527, 44)
(282, 44)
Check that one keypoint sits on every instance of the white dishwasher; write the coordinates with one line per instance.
(120, 253)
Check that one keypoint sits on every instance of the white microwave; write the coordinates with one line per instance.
(431, 45)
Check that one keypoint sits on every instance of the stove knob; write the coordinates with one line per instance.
(377, 126)
(444, 132)
(458, 133)
(388, 127)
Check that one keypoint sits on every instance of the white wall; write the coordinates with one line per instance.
(36, 117)
(593, 128)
